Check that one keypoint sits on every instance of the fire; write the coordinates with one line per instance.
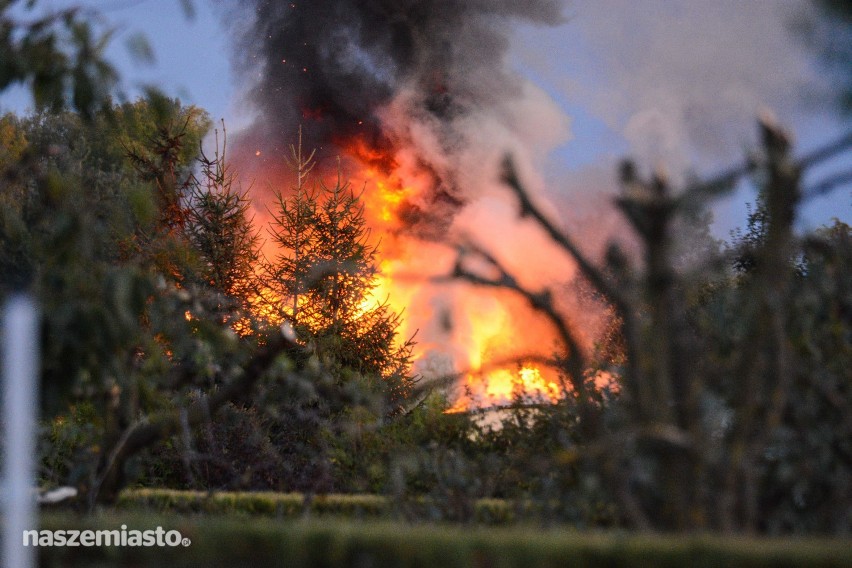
(489, 336)
(504, 386)
(490, 339)
(387, 192)
(381, 291)
(480, 328)
(391, 199)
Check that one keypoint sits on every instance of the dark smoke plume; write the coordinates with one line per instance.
(330, 66)
(425, 90)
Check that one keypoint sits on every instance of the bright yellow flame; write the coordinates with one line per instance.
(385, 197)
(488, 328)
(381, 290)
(502, 387)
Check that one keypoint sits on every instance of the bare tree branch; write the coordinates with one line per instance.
(528, 209)
(542, 302)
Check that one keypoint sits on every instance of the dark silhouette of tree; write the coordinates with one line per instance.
(322, 282)
(220, 233)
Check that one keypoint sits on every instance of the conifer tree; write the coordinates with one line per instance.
(292, 231)
(323, 278)
(219, 231)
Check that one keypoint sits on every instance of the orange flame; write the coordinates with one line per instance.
(490, 327)
(461, 330)
(503, 387)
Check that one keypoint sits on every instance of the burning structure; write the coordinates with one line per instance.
(417, 99)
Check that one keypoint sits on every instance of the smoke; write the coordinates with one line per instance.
(423, 84)
(422, 92)
(681, 82)
(341, 60)
(679, 85)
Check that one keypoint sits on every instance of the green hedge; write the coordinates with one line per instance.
(220, 541)
(293, 505)
(251, 503)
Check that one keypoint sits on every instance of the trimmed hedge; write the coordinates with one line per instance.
(293, 505)
(219, 541)
(251, 503)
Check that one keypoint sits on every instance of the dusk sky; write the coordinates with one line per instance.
(673, 83)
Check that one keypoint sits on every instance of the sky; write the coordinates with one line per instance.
(675, 83)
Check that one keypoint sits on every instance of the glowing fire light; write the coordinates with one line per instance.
(461, 330)
(487, 329)
(503, 387)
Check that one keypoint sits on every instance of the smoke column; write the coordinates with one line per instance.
(420, 93)
(392, 74)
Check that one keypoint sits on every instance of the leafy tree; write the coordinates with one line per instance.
(294, 232)
(163, 150)
(121, 364)
(59, 55)
(102, 250)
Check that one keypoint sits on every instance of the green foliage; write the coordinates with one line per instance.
(290, 505)
(805, 468)
(218, 541)
(232, 452)
(296, 505)
(73, 210)
(322, 280)
(58, 56)
(96, 243)
(219, 231)
(67, 437)
(162, 140)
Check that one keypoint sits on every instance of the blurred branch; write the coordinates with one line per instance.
(528, 209)
(151, 429)
(826, 152)
(828, 185)
(542, 302)
(724, 182)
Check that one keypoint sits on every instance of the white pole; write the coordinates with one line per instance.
(20, 366)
